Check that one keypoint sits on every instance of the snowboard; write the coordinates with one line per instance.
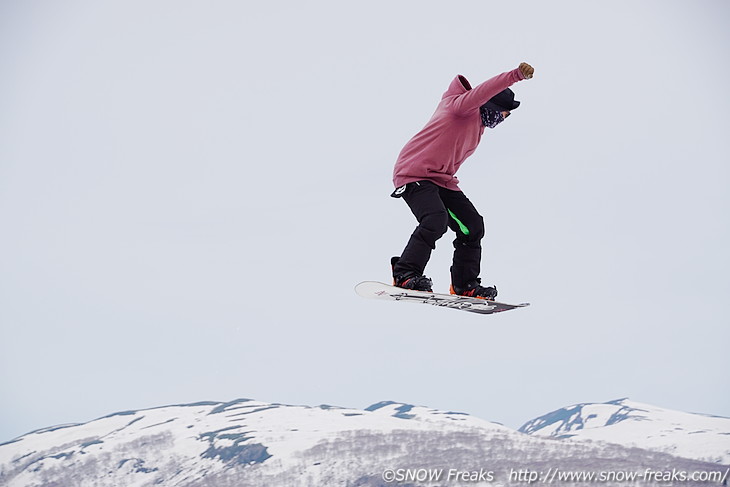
(379, 290)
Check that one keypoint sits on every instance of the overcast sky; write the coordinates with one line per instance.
(190, 190)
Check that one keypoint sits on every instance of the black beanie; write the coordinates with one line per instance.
(503, 101)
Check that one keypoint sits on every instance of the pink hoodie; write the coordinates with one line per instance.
(453, 133)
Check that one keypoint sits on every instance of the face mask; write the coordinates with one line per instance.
(490, 117)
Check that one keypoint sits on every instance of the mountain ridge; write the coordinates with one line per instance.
(690, 435)
(247, 442)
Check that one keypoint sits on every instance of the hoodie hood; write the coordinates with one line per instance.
(458, 86)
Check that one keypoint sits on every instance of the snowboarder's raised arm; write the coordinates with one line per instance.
(479, 95)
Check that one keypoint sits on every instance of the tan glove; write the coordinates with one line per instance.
(527, 70)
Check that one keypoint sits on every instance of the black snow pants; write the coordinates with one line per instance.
(437, 209)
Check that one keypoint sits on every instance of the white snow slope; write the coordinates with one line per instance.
(630, 423)
(249, 443)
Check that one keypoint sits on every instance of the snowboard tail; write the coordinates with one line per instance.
(382, 291)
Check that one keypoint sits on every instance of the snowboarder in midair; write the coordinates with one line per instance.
(424, 176)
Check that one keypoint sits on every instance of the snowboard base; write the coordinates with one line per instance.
(379, 290)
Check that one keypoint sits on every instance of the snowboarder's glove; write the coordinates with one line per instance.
(527, 70)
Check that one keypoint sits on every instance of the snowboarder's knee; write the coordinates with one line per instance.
(478, 231)
(469, 231)
(436, 223)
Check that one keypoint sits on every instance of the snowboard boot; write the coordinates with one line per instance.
(475, 289)
(410, 280)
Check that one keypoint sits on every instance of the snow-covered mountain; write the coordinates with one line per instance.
(630, 423)
(250, 443)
